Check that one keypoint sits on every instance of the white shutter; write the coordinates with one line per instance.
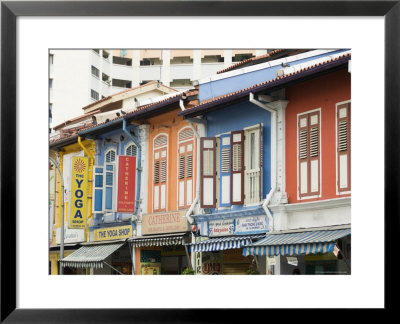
(207, 172)
(225, 171)
(253, 164)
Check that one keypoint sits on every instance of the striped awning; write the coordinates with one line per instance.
(159, 240)
(223, 243)
(297, 243)
(90, 256)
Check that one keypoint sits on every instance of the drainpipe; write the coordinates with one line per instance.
(139, 168)
(84, 148)
(267, 200)
(196, 200)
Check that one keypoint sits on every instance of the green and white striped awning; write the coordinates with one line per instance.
(90, 256)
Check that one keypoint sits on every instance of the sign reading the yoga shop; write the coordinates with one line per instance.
(79, 184)
(112, 233)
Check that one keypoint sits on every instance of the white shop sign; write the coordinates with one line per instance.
(251, 225)
(292, 261)
(71, 235)
(220, 227)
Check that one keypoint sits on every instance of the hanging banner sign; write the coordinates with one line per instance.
(79, 184)
(126, 184)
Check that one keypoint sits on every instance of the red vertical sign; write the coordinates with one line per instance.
(126, 184)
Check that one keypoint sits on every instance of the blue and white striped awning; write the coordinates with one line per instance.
(307, 242)
(223, 243)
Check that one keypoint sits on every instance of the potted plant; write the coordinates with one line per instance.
(252, 270)
(188, 271)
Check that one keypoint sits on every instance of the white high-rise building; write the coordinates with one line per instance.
(78, 78)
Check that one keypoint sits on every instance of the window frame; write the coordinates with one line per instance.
(309, 194)
(339, 105)
(114, 178)
(159, 150)
(258, 131)
(184, 143)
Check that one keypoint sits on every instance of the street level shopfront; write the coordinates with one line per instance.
(221, 237)
(319, 251)
(161, 249)
(101, 258)
(223, 255)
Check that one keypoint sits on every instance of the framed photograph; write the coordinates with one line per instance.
(370, 29)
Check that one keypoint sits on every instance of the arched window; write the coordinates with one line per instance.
(160, 152)
(185, 167)
(109, 184)
(131, 150)
(110, 155)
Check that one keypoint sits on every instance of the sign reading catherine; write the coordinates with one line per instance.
(251, 225)
(112, 233)
(126, 184)
(79, 183)
(169, 222)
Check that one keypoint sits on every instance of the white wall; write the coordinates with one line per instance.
(71, 74)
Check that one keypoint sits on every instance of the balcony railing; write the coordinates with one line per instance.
(252, 184)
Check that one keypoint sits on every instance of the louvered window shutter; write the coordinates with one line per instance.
(160, 173)
(225, 170)
(110, 156)
(208, 172)
(109, 187)
(237, 168)
(98, 189)
(253, 164)
(131, 150)
(185, 167)
(181, 175)
(343, 147)
(309, 154)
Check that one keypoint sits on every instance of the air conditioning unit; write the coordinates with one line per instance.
(108, 82)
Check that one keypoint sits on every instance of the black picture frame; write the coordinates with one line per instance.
(10, 10)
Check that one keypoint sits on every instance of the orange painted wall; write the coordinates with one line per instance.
(157, 126)
(323, 92)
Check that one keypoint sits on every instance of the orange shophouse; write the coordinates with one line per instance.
(312, 229)
(170, 189)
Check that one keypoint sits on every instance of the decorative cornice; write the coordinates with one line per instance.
(320, 204)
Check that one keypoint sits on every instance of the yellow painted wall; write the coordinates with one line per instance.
(53, 258)
(91, 147)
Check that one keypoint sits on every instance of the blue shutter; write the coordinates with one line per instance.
(109, 187)
(225, 171)
(98, 189)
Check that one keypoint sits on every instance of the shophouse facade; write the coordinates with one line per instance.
(205, 178)
(70, 197)
(144, 180)
(312, 231)
(229, 183)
